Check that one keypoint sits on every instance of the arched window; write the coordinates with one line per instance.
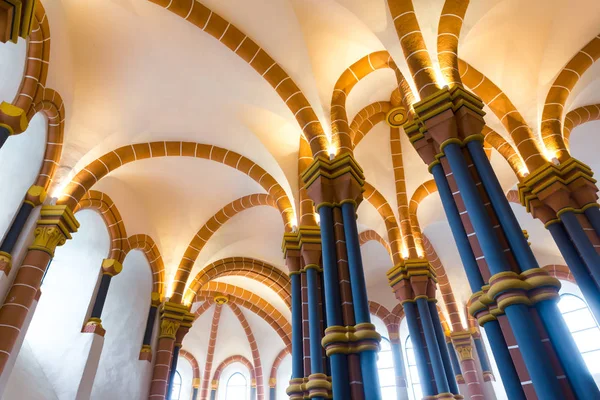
(413, 373)
(385, 367)
(583, 327)
(176, 388)
(237, 387)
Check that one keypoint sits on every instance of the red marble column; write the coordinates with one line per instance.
(464, 351)
(54, 227)
(164, 353)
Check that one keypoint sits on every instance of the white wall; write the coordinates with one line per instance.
(226, 374)
(284, 374)
(12, 66)
(54, 336)
(187, 375)
(20, 161)
(120, 373)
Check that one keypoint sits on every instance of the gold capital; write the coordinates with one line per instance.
(464, 352)
(168, 328)
(47, 238)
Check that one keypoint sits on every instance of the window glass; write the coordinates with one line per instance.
(583, 327)
(237, 387)
(387, 375)
(176, 388)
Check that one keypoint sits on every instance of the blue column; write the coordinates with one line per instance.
(536, 360)
(252, 392)
(272, 394)
(172, 371)
(314, 323)
(435, 357)
(586, 283)
(368, 358)
(213, 394)
(510, 378)
(339, 362)
(101, 296)
(419, 348)
(149, 325)
(565, 347)
(582, 243)
(8, 244)
(4, 134)
(297, 348)
(593, 215)
(441, 342)
(483, 359)
(195, 394)
(453, 358)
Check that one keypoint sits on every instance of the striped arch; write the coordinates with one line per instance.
(203, 308)
(258, 373)
(424, 190)
(307, 207)
(157, 266)
(190, 357)
(449, 27)
(210, 353)
(115, 159)
(205, 233)
(238, 42)
(507, 113)
(102, 203)
(232, 360)
(559, 272)
(444, 285)
(275, 367)
(383, 208)
(413, 46)
(243, 266)
(505, 149)
(350, 77)
(366, 119)
(554, 107)
(391, 320)
(367, 236)
(252, 302)
(513, 196)
(578, 117)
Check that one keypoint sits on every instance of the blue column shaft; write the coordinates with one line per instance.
(582, 243)
(149, 325)
(195, 394)
(483, 360)
(573, 363)
(4, 134)
(419, 348)
(8, 244)
(252, 393)
(453, 358)
(584, 279)
(535, 358)
(272, 393)
(213, 394)
(458, 231)
(510, 378)
(509, 375)
(435, 357)
(401, 391)
(441, 341)
(534, 354)
(338, 362)
(297, 348)
(172, 371)
(314, 323)
(593, 215)
(569, 355)
(101, 296)
(368, 359)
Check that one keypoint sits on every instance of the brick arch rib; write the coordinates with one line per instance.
(145, 244)
(243, 266)
(103, 204)
(561, 272)
(367, 236)
(275, 367)
(554, 107)
(208, 230)
(238, 42)
(190, 357)
(383, 208)
(214, 330)
(450, 24)
(366, 119)
(391, 321)
(258, 372)
(232, 360)
(115, 159)
(579, 116)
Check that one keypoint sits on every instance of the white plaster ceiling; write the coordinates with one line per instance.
(130, 72)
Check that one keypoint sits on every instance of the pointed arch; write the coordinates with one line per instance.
(366, 119)
(367, 236)
(391, 320)
(275, 367)
(207, 231)
(232, 360)
(190, 357)
(243, 46)
(157, 266)
(579, 116)
(551, 125)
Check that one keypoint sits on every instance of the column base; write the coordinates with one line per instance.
(94, 325)
(146, 353)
